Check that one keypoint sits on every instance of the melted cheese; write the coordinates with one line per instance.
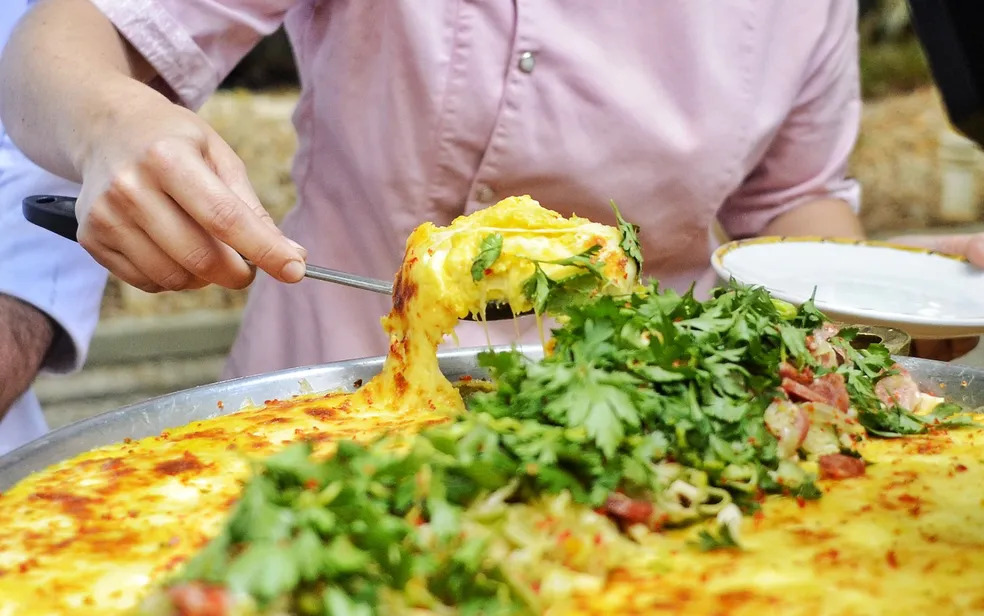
(91, 534)
(434, 288)
(908, 537)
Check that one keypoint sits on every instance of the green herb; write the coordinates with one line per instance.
(630, 237)
(583, 259)
(550, 296)
(632, 384)
(897, 421)
(721, 540)
(488, 253)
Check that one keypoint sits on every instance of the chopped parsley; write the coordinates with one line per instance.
(632, 387)
(488, 253)
(630, 236)
(708, 541)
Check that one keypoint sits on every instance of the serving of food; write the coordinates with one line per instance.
(735, 455)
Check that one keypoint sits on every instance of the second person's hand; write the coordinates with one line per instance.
(166, 203)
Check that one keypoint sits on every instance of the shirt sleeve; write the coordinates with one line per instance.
(194, 44)
(53, 274)
(807, 160)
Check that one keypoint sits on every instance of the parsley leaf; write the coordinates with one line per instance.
(583, 259)
(555, 296)
(897, 421)
(630, 236)
(721, 540)
(488, 253)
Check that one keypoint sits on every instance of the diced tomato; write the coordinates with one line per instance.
(628, 510)
(799, 391)
(200, 600)
(834, 389)
(839, 466)
(829, 389)
(788, 371)
(892, 559)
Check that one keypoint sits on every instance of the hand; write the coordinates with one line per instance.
(166, 204)
(969, 245)
(25, 336)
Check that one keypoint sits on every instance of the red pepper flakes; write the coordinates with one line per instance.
(127, 440)
(961, 468)
(892, 559)
(466, 378)
(311, 484)
(536, 587)
(220, 405)
(597, 539)
(801, 502)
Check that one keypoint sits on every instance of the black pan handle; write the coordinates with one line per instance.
(54, 213)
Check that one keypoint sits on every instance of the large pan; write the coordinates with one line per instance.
(960, 384)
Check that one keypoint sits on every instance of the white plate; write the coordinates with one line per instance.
(925, 293)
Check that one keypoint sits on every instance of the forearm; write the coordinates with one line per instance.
(823, 217)
(63, 74)
(25, 337)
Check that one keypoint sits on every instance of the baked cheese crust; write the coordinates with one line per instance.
(94, 534)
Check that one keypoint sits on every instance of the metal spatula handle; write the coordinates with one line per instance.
(57, 214)
(349, 280)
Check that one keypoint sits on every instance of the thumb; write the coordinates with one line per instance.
(970, 246)
(975, 250)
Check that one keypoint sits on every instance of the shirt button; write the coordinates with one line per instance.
(484, 194)
(527, 61)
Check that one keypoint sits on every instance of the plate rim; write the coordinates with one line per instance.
(717, 262)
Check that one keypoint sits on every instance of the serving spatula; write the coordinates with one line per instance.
(57, 214)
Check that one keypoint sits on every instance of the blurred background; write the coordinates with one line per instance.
(917, 175)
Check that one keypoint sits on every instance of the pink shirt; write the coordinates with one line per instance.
(427, 109)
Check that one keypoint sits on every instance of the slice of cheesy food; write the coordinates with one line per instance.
(493, 256)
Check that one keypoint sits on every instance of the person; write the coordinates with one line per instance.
(50, 288)
(684, 113)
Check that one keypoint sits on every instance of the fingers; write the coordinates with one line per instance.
(231, 170)
(176, 210)
(222, 214)
(133, 256)
(970, 246)
(975, 250)
(178, 241)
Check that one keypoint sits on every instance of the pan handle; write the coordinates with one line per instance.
(54, 213)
